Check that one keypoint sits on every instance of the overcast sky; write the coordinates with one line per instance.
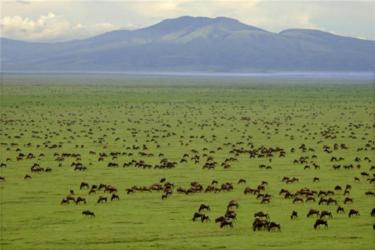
(59, 20)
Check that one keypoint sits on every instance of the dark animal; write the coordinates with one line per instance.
(225, 223)
(197, 216)
(80, 199)
(353, 212)
(102, 199)
(294, 215)
(84, 185)
(204, 207)
(88, 213)
(340, 210)
(312, 212)
(320, 222)
(115, 197)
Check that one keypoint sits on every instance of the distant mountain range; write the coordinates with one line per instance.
(198, 44)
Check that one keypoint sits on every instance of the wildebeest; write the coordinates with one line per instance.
(102, 199)
(313, 212)
(261, 214)
(353, 212)
(204, 207)
(197, 215)
(340, 210)
(115, 197)
(373, 212)
(325, 213)
(320, 222)
(84, 185)
(205, 218)
(80, 199)
(88, 213)
(273, 226)
(241, 181)
(294, 215)
(225, 223)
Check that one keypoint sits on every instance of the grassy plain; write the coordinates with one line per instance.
(112, 113)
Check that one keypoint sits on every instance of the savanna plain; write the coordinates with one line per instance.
(141, 154)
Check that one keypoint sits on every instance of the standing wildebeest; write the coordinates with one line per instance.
(325, 213)
(241, 181)
(204, 207)
(226, 223)
(340, 210)
(353, 212)
(80, 199)
(205, 218)
(102, 199)
(313, 212)
(197, 215)
(294, 215)
(88, 213)
(84, 185)
(274, 226)
(261, 214)
(320, 222)
(115, 197)
(373, 212)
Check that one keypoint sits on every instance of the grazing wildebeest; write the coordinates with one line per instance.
(88, 213)
(219, 219)
(348, 200)
(102, 199)
(340, 210)
(115, 197)
(313, 212)
(27, 177)
(130, 190)
(232, 203)
(260, 224)
(241, 181)
(325, 213)
(373, 212)
(205, 218)
(320, 222)
(274, 226)
(316, 179)
(80, 199)
(226, 223)
(84, 185)
(204, 207)
(2, 178)
(197, 215)
(64, 201)
(261, 214)
(353, 212)
(294, 215)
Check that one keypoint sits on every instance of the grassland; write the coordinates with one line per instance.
(172, 116)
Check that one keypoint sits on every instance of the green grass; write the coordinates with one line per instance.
(78, 110)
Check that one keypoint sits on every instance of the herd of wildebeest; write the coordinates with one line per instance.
(338, 196)
(144, 151)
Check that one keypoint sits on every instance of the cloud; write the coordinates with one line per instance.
(49, 27)
(72, 19)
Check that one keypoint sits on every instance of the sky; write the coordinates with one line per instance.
(62, 20)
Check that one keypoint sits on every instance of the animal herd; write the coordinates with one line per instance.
(256, 158)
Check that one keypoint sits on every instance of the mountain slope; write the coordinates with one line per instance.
(194, 44)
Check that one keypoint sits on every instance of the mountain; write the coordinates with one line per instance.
(195, 44)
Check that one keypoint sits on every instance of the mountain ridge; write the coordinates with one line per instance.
(195, 43)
